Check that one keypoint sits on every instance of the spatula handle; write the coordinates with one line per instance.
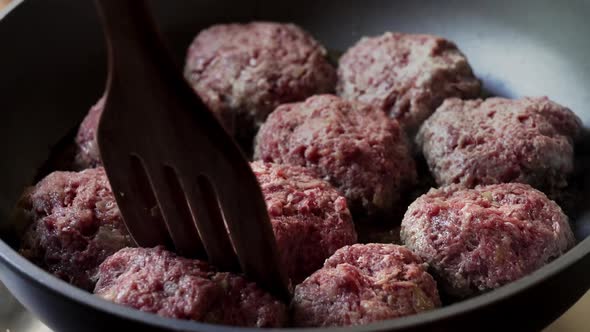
(136, 50)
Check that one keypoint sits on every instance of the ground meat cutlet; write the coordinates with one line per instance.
(74, 225)
(158, 281)
(528, 140)
(406, 75)
(244, 71)
(309, 217)
(365, 283)
(355, 147)
(87, 152)
(479, 239)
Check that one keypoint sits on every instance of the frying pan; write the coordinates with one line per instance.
(53, 67)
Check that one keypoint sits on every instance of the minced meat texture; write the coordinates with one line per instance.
(309, 217)
(406, 75)
(364, 283)
(87, 152)
(527, 140)
(479, 239)
(157, 281)
(74, 225)
(355, 147)
(244, 71)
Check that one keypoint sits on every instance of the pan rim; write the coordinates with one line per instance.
(22, 266)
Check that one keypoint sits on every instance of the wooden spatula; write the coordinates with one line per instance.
(164, 152)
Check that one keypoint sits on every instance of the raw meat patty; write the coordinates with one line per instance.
(479, 239)
(354, 146)
(158, 281)
(406, 75)
(365, 283)
(75, 224)
(87, 153)
(528, 140)
(244, 71)
(309, 218)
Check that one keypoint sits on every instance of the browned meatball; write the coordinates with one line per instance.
(355, 147)
(365, 283)
(158, 281)
(74, 225)
(406, 75)
(309, 218)
(528, 140)
(244, 71)
(479, 239)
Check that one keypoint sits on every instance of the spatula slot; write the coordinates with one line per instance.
(180, 221)
(140, 190)
(211, 224)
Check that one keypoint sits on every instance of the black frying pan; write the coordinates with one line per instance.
(52, 65)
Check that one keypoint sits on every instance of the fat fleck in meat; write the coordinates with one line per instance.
(528, 140)
(357, 148)
(479, 239)
(75, 224)
(309, 217)
(364, 283)
(406, 75)
(244, 71)
(158, 281)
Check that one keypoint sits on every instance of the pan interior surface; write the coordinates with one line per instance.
(520, 48)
